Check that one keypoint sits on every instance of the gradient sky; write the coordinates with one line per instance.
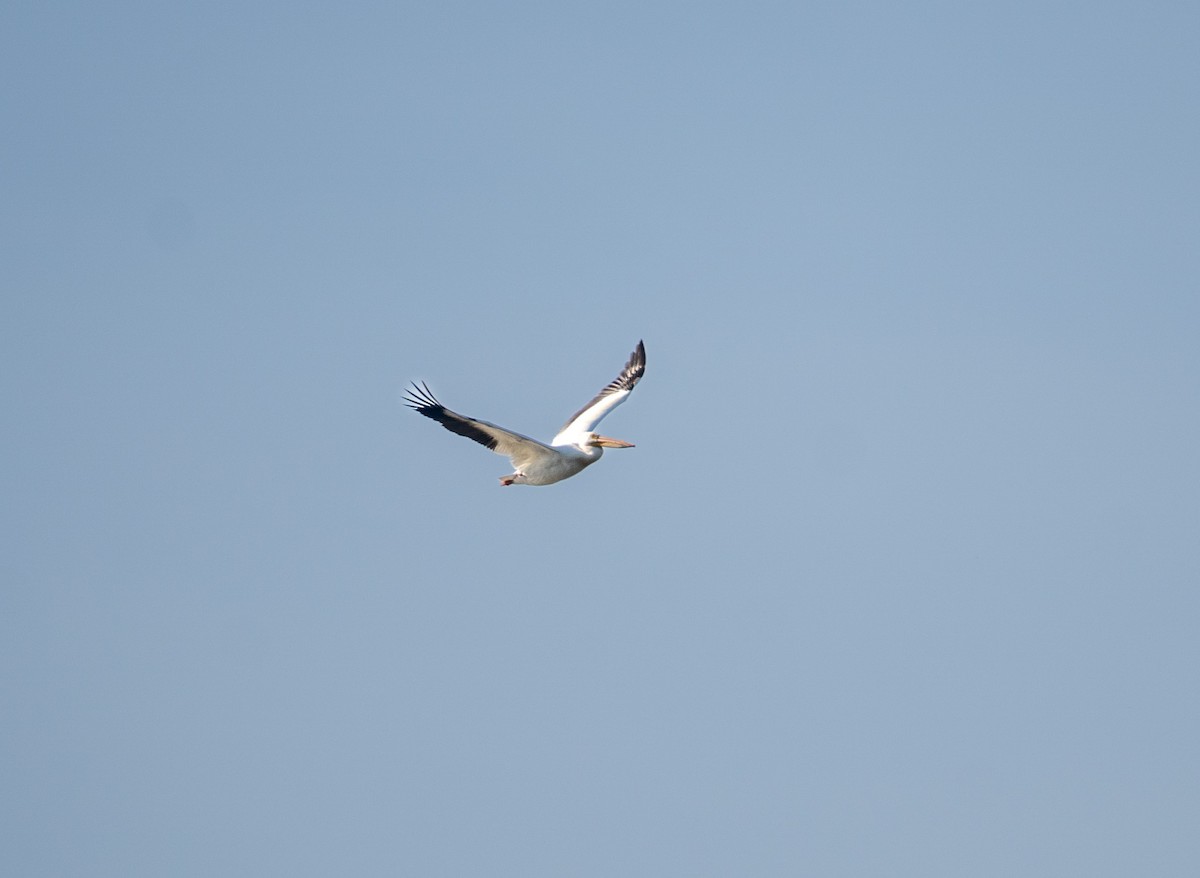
(902, 578)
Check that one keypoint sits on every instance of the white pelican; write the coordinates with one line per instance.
(575, 446)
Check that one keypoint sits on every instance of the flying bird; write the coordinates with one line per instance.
(576, 446)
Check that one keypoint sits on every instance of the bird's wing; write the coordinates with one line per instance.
(613, 394)
(521, 450)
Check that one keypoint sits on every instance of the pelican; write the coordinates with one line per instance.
(576, 446)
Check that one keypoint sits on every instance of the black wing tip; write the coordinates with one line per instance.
(633, 371)
(421, 399)
(629, 377)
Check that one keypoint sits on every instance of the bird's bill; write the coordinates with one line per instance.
(609, 442)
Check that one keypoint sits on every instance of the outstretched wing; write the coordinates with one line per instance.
(521, 450)
(613, 394)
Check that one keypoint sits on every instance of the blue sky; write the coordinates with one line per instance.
(900, 579)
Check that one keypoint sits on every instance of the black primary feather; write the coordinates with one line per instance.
(421, 400)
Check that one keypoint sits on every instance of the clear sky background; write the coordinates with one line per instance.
(902, 578)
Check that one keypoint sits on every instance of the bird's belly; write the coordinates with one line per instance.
(555, 470)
